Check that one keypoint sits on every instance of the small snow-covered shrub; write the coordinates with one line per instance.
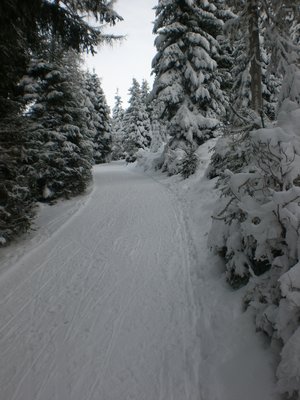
(258, 215)
(129, 158)
(189, 163)
(117, 151)
(287, 327)
(172, 160)
(232, 150)
(150, 160)
(276, 300)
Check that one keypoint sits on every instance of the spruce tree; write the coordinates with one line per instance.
(260, 64)
(99, 118)
(117, 129)
(240, 98)
(158, 126)
(61, 153)
(274, 54)
(186, 84)
(145, 94)
(26, 23)
(224, 57)
(16, 179)
(137, 127)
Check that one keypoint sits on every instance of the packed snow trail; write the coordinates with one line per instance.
(104, 308)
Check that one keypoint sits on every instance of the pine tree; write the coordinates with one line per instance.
(137, 127)
(158, 126)
(186, 83)
(241, 88)
(282, 32)
(277, 50)
(25, 25)
(260, 64)
(61, 153)
(224, 57)
(117, 129)
(99, 118)
(16, 200)
(145, 94)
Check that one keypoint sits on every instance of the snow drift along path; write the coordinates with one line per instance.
(104, 309)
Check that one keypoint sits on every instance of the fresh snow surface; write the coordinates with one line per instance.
(116, 297)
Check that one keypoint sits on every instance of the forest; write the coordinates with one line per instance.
(227, 70)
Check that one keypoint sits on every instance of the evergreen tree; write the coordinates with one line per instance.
(25, 24)
(158, 126)
(61, 153)
(117, 129)
(255, 57)
(185, 67)
(16, 200)
(275, 54)
(241, 88)
(224, 57)
(282, 32)
(145, 93)
(137, 127)
(99, 118)
(157, 137)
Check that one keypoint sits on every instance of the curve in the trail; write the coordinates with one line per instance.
(104, 309)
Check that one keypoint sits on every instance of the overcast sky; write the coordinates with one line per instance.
(117, 65)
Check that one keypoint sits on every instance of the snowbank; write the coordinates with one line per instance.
(256, 229)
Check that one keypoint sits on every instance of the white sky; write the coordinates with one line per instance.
(117, 65)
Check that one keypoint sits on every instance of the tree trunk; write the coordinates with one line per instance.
(255, 57)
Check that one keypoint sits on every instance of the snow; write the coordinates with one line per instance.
(203, 60)
(291, 281)
(289, 371)
(116, 296)
(198, 39)
(235, 361)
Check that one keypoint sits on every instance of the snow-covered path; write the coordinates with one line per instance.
(104, 309)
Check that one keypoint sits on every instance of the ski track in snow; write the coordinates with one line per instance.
(104, 308)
